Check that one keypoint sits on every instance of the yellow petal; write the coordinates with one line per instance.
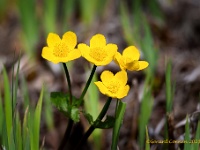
(84, 49)
(70, 39)
(52, 39)
(134, 66)
(74, 54)
(123, 92)
(121, 76)
(47, 54)
(111, 49)
(106, 76)
(143, 65)
(98, 40)
(131, 52)
(119, 60)
(110, 94)
(101, 87)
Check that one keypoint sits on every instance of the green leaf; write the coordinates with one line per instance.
(108, 123)
(88, 117)
(74, 115)
(60, 101)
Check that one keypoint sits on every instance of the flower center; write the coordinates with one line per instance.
(61, 50)
(98, 53)
(113, 86)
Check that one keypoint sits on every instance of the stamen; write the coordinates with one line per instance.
(113, 86)
(61, 50)
(98, 53)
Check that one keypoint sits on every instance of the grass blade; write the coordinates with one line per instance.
(48, 109)
(27, 12)
(145, 112)
(16, 85)
(120, 110)
(195, 145)
(7, 105)
(50, 10)
(187, 135)
(168, 91)
(25, 133)
(68, 11)
(126, 24)
(18, 132)
(1, 119)
(147, 147)
(36, 123)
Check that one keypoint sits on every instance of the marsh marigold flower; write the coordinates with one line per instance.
(61, 50)
(98, 53)
(113, 85)
(129, 59)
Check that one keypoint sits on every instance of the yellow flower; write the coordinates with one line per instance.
(98, 53)
(61, 50)
(129, 59)
(113, 85)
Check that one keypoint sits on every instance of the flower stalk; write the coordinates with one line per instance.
(68, 81)
(92, 127)
(70, 121)
(88, 82)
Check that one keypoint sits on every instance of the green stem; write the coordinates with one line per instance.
(70, 122)
(67, 135)
(114, 141)
(88, 82)
(104, 110)
(68, 81)
(92, 127)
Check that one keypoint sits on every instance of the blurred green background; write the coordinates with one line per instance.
(166, 32)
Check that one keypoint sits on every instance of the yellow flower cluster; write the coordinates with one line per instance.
(99, 53)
